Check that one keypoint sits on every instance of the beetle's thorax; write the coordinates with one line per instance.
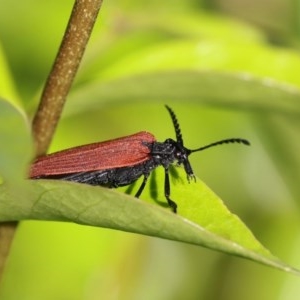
(169, 152)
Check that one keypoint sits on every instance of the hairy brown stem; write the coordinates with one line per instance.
(7, 231)
(63, 72)
(82, 20)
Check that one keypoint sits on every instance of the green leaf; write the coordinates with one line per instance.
(16, 145)
(209, 88)
(202, 218)
(7, 89)
(208, 54)
(163, 41)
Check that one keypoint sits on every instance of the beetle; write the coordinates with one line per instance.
(121, 161)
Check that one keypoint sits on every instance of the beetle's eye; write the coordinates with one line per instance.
(180, 157)
(178, 154)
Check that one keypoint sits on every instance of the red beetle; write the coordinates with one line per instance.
(121, 161)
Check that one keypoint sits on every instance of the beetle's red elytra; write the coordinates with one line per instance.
(121, 152)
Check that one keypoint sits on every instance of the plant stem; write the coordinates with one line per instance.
(81, 23)
(7, 231)
(61, 77)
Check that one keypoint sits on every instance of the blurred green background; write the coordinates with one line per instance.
(249, 52)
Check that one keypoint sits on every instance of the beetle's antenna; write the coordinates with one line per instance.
(227, 141)
(176, 125)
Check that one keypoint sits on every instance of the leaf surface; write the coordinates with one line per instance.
(202, 219)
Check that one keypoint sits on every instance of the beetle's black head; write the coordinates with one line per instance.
(182, 153)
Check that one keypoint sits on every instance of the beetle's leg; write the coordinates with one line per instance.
(138, 193)
(171, 203)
